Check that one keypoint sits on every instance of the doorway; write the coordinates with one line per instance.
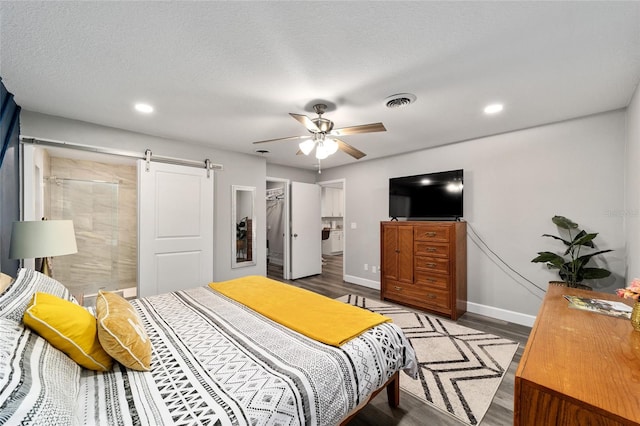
(294, 215)
(333, 235)
(99, 193)
(277, 222)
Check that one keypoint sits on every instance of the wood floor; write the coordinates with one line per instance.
(411, 411)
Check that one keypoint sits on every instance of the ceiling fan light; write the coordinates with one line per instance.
(307, 146)
(330, 146)
(321, 152)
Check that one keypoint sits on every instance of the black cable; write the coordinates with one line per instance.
(503, 262)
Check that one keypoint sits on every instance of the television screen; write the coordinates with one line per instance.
(427, 196)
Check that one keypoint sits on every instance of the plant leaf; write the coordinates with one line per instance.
(584, 259)
(548, 257)
(594, 273)
(566, 243)
(584, 239)
(563, 222)
(567, 277)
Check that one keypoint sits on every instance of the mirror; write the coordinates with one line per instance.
(243, 226)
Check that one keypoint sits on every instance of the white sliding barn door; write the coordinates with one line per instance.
(306, 230)
(175, 228)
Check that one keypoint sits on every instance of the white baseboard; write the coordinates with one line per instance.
(501, 314)
(363, 282)
(476, 308)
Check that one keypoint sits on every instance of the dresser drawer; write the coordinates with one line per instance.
(431, 233)
(433, 264)
(423, 248)
(410, 293)
(432, 281)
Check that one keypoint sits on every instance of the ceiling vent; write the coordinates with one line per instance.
(399, 100)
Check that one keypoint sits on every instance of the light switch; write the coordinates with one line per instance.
(353, 225)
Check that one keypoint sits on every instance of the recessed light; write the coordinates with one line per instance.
(493, 108)
(144, 108)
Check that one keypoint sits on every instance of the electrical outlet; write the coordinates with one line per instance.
(373, 269)
(366, 266)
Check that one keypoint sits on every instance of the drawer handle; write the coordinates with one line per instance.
(397, 251)
(431, 280)
(431, 265)
(431, 296)
(430, 234)
(431, 249)
(397, 288)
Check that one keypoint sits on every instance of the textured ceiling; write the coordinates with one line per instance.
(226, 74)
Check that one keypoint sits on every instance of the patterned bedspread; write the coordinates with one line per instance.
(217, 362)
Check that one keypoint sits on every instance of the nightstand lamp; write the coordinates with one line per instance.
(42, 238)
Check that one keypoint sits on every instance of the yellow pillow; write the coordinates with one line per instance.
(121, 332)
(68, 327)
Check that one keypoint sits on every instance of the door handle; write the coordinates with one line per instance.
(295, 235)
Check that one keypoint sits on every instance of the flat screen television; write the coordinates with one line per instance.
(431, 196)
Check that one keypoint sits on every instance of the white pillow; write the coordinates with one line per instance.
(39, 385)
(14, 300)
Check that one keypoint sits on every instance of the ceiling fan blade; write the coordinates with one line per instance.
(345, 147)
(365, 128)
(306, 122)
(290, 138)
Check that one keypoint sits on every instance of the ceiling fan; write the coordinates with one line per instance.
(323, 135)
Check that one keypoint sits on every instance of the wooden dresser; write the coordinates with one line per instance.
(579, 367)
(424, 265)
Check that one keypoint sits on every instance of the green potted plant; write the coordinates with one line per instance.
(572, 264)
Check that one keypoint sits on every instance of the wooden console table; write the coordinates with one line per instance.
(579, 367)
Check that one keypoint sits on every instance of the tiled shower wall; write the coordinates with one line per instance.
(101, 199)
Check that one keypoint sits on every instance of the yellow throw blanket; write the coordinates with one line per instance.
(316, 316)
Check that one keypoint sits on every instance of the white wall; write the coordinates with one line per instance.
(291, 173)
(632, 185)
(239, 169)
(514, 184)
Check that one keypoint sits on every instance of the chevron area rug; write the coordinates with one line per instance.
(460, 368)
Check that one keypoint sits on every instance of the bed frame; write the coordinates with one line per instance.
(393, 396)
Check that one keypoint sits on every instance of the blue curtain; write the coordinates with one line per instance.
(9, 176)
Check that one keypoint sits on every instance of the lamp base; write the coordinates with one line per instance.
(46, 267)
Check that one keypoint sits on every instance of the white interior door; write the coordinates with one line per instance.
(306, 230)
(175, 228)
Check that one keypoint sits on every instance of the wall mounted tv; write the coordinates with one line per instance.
(432, 196)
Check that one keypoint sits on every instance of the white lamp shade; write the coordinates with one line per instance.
(42, 238)
(330, 146)
(307, 146)
(321, 152)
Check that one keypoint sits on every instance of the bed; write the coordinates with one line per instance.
(213, 361)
